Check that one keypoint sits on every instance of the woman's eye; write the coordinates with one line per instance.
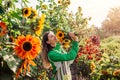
(51, 36)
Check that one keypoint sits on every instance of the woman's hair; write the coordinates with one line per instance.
(45, 49)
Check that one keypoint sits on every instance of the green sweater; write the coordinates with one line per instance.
(56, 55)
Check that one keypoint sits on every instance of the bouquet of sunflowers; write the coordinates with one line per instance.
(63, 38)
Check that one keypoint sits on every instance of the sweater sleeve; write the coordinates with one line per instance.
(56, 56)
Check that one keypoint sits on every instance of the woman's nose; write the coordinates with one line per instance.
(55, 37)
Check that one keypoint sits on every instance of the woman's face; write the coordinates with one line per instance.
(52, 38)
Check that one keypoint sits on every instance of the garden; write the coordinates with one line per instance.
(22, 28)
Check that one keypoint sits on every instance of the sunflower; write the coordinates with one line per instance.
(26, 12)
(92, 66)
(40, 26)
(59, 1)
(60, 35)
(42, 19)
(50, 12)
(116, 72)
(33, 14)
(66, 43)
(38, 30)
(11, 39)
(3, 28)
(44, 6)
(27, 47)
(104, 72)
(68, 2)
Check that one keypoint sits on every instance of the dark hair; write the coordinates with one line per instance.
(45, 49)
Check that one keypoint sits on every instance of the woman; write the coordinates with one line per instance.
(53, 55)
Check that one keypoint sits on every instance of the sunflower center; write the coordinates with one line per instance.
(10, 40)
(27, 46)
(63, 44)
(66, 40)
(26, 11)
(60, 35)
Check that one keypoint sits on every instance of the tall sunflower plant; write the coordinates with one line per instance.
(20, 33)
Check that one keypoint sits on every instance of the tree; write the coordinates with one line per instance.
(111, 24)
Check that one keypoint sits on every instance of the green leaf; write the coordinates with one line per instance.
(12, 62)
(0, 2)
(15, 0)
(37, 6)
(2, 11)
(14, 14)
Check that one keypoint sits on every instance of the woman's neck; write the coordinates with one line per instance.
(53, 45)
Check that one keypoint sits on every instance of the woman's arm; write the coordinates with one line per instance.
(56, 56)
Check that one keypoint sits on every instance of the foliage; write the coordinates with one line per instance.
(111, 48)
(105, 67)
(110, 61)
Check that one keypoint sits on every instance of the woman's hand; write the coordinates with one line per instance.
(73, 37)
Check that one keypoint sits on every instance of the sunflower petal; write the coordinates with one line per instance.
(32, 63)
(25, 64)
(28, 68)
